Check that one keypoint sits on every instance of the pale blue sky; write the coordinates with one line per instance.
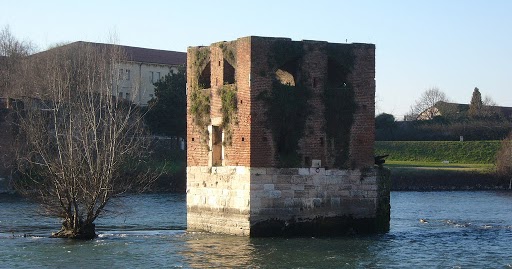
(452, 45)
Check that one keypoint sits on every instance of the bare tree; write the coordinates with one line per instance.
(504, 157)
(80, 146)
(12, 53)
(490, 108)
(424, 108)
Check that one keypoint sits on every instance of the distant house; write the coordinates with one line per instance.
(456, 110)
(142, 68)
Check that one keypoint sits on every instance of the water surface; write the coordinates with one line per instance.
(460, 230)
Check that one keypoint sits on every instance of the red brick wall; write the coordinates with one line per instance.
(239, 152)
(252, 139)
(197, 152)
(262, 146)
(363, 130)
(216, 79)
(314, 143)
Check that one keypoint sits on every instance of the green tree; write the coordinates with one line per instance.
(475, 107)
(385, 126)
(168, 111)
(384, 121)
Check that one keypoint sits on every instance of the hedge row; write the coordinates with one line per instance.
(468, 152)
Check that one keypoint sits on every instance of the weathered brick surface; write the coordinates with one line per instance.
(252, 139)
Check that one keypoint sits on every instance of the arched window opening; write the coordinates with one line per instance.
(205, 77)
(229, 73)
(336, 74)
(287, 73)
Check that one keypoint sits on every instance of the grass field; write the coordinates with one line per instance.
(441, 165)
(454, 152)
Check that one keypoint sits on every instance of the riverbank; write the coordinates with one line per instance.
(430, 176)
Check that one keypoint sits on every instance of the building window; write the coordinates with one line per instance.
(121, 72)
(127, 95)
(120, 94)
(127, 75)
(154, 76)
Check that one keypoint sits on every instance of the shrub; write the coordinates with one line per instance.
(504, 157)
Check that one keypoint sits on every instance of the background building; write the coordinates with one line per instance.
(139, 70)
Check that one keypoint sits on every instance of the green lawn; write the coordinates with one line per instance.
(440, 165)
(468, 152)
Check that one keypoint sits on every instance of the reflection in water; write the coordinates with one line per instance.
(218, 251)
(231, 251)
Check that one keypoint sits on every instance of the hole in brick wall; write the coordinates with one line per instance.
(314, 82)
(286, 74)
(335, 74)
(243, 139)
(216, 81)
(192, 139)
(205, 77)
(219, 63)
(229, 73)
(216, 138)
(241, 102)
(307, 161)
(321, 141)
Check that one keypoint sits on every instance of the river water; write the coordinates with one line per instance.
(461, 230)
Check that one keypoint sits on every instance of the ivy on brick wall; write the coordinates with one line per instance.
(229, 109)
(287, 111)
(229, 52)
(339, 102)
(283, 51)
(287, 105)
(228, 95)
(199, 98)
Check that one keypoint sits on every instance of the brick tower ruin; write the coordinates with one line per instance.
(280, 137)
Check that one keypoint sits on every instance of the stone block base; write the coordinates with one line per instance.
(282, 202)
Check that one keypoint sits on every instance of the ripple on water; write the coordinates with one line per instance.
(152, 234)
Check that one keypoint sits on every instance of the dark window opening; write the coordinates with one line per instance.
(336, 74)
(205, 77)
(287, 73)
(321, 141)
(229, 73)
(216, 146)
(307, 161)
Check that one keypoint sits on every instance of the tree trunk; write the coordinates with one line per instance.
(84, 231)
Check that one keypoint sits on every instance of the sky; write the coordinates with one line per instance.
(454, 45)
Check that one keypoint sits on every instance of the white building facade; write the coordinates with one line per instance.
(142, 69)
